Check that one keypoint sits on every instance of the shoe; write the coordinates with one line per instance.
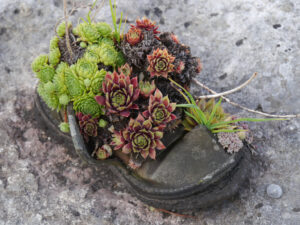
(193, 171)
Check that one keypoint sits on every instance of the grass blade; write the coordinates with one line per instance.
(185, 106)
(226, 131)
(193, 117)
(120, 22)
(213, 112)
(245, 120)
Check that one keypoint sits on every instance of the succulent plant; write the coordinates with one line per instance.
(92, 53)
(61, 29)
(134, 163)
(64, 127)
(87, 32)
(104, 29)
(48, 95)
(104, 52)
(39, 63)
(102, 123)
(69, 79)
(230, 141)
(160, 63)
(146, 88)
(199, 66)
(54, 56)
(120, 93)
(110, 56)
(160, 109)
(125, 69)
(54, 43)
(96, 81)
(139, 137)
(104, 152)
(87, 104)
(175, 39)
(64, 99)
(134, 35)
(147, 25)
(85, 68)
(88, 125)
(46, 73)
(180, 67)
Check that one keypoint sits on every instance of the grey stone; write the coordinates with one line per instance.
(274, 191)
(197, 158)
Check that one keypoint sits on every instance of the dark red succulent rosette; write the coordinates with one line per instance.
(120, 93)
(88, 125)
(140, 137)
(160, 109)
(148, 25)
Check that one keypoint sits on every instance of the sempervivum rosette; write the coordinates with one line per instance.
(139, 137)
(160, 109)
(146, 88)
(120, 93)
(160, 63)
(88, 125)
(148, 25)
(134, 35)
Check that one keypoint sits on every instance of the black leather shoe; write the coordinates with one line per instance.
(192, 172)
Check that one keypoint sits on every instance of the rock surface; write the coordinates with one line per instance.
(42, 181)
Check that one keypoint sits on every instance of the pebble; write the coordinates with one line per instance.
(274, 191)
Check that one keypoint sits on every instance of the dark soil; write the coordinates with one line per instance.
(75, 46)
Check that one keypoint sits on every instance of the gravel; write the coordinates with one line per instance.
(274, 191)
